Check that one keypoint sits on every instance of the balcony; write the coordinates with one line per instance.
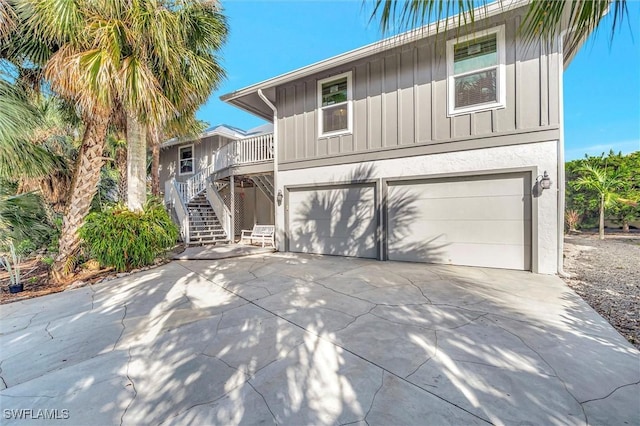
(243, 152)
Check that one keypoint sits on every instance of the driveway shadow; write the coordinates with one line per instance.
(296, 339)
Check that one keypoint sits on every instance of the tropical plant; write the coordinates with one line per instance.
(12, 265)
(22, 217)
(623, 207)
(18, 120)
(127, 239)
(149, 60)
(605, 183)
(572, 218)
(543, 18)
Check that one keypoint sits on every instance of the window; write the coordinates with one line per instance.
(476, 77)
(185, 159)
(334, 105)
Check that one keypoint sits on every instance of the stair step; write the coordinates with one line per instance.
(207, 240)
(201, 233)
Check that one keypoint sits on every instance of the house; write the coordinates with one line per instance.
(425, 147)
(221, 152)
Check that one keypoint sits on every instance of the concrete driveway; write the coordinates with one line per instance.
(297, 339)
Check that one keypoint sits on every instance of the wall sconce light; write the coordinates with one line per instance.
(279, 197)
(544, 181)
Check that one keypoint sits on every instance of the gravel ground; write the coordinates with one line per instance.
(606, 274)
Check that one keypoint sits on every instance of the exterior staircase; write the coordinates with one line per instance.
(204, 226)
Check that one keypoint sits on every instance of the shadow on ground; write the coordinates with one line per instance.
(304, 339)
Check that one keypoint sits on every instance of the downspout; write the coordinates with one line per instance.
(561, 174)
(275, 162)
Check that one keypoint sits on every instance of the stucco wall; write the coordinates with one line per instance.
(540, 156)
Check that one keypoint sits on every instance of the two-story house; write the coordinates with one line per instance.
(425, 147)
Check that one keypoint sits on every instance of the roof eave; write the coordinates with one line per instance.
(491, 10)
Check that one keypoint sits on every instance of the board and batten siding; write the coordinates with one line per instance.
(400, 101)
(203, 152)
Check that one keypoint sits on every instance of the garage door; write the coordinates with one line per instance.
(338, 220)
(475, 221)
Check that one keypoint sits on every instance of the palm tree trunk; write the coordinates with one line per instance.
(136, 164)
(154, 141)
(121, 165)
(83, 188)
(602, 217)
(625, 225)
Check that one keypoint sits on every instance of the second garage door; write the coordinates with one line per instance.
(339, 220)
(474, 221)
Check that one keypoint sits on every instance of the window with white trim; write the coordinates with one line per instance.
(185, 160)
(334, 105)
(475, 69)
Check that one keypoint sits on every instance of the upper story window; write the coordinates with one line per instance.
(185, 160)
(475, 71)
(334, 105)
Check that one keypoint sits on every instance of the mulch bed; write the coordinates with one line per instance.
(36, 278)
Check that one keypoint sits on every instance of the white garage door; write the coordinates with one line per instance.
(339, 220)
(475, 221)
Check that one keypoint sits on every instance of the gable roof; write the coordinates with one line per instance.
(225, 130)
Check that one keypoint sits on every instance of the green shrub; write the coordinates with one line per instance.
(125, 240)
(26, 247)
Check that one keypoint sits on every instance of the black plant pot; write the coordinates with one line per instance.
(16, 288)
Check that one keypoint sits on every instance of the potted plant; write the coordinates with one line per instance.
(15, 286)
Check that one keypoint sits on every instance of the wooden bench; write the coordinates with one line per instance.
(263, 234)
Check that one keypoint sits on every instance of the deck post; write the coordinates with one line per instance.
(232, 193)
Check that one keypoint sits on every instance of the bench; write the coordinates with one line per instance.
(259, 234)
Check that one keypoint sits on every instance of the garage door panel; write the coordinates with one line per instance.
(336, 246)
(468, 255)
(489, 208)
(337, 221)
(472, 186)
(475, 221)
(474, 232)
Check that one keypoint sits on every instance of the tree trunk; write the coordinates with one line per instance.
(136, 164)
(154, 141)
(121, 165)
(83, 188)
(602, 217)
(625, 225)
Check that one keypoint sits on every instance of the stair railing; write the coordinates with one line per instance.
(220, 208)
(174, 198)
(243, 151)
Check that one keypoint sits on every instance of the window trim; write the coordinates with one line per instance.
(193, 160)
(348, 102)
(501, 77)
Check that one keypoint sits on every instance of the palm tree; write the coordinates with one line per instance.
(543, 18)
(605, 183)
(152, 59)
(19, 119)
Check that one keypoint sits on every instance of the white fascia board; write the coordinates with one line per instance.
(480, 13)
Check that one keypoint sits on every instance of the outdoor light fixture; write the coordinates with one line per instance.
(279, 197)
(544, 181)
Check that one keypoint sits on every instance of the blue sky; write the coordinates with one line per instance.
(268, 38)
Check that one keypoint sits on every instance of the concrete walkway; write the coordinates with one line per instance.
(297, 339)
